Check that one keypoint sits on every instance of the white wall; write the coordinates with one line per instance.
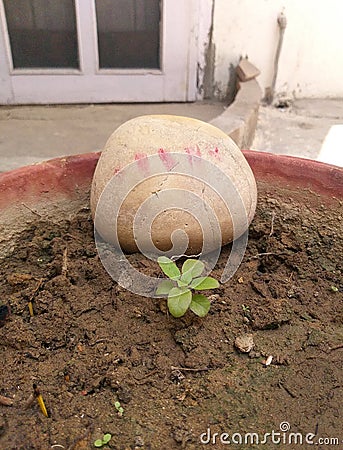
(311, 61)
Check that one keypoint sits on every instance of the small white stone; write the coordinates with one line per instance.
(244, 343)
(268, 361)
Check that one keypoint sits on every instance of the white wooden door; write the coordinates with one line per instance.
(95, 51)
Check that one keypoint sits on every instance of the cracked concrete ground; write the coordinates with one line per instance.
(311, 128)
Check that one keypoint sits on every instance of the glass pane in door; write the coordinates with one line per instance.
(42, 33)
(128, 33)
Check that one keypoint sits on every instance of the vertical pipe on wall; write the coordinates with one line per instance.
(208, 79)
(282, 23)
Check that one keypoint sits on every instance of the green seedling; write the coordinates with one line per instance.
(181, 284)
(119, 408)
(105, 440)
(246, 309)
(334, 289)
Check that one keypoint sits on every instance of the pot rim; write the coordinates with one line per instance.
(67, 175)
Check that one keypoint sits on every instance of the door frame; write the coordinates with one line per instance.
(176, 81)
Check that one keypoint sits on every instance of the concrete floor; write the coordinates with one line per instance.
(311, 128)
(30, 134)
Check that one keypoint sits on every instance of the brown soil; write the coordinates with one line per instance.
(91, 343)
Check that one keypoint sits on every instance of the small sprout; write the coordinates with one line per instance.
(29, 303)
(40, 400)
(30, 306)
(105, 440)
(180, 285)
(334, 289)
(246, 309)
(119, 408)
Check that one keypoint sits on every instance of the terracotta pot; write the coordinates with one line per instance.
(58, 188)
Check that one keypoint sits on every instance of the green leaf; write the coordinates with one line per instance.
(204, 283)
(169, 268)
(194, 266)
(200, 305)
(176, 291)
(164, 287)
(179, 301)
(98, 443)
(163, 260)
(107, 437)
(186, 277)
(182, 283)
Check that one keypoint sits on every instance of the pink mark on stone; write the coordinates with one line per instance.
(142, 162)
(198, 152)
(166, 158)
(193, 151)
(215, 153)
(116, 170)
(139, 156)
(190, 156)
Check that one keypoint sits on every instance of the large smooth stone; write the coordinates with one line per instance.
(160, 135)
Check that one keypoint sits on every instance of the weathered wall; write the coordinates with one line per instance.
(311, 62)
